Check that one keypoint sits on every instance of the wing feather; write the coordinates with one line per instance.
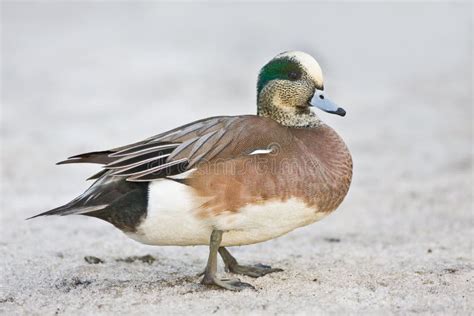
(139, 175)
(182, 147)
(200, 144)
(178, 150)
(136, 161)
(144, 148)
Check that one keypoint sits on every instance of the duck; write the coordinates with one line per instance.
(227, 180)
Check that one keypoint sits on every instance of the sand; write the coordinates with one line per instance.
(80, 77)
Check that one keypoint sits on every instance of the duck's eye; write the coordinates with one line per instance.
(321, 97)
(294, 75)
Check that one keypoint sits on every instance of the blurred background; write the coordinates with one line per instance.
(85, 76)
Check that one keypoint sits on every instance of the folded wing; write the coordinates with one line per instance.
(175, 151)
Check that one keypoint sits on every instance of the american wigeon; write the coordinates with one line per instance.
(228, 180)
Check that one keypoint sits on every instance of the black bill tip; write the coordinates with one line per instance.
(340, 111)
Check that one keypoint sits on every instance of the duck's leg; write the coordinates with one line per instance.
(210, 277)
(254, 271)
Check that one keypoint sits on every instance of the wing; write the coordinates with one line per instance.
(180, 149)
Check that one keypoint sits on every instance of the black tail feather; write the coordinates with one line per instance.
(70, 209)
(61, 210)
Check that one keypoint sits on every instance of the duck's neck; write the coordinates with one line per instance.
(286, 115)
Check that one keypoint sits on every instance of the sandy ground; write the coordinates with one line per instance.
(82, 77)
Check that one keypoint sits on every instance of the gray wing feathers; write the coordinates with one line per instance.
(174, 152)
(170, 153)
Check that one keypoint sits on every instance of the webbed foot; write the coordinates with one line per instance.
(228, 284)
(254, 271)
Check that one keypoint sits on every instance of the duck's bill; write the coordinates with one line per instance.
(323, 103)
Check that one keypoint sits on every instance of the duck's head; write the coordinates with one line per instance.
(288, 86)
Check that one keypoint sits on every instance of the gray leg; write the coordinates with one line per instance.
(254, 271)
(211, 268)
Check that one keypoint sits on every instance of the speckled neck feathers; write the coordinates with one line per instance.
(288, 116)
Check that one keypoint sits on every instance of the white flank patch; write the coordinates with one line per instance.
(260, 151)
(308, 62)
(172, 219)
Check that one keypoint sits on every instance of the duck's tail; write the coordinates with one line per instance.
(91, 200)
(113, 199)
(70, 209)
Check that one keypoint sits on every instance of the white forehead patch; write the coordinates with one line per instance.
(308, 62)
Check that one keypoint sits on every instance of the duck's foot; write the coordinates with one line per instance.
(228, 284)
(254, 271)
(210, 277)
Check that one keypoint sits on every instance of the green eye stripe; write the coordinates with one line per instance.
(277, 69)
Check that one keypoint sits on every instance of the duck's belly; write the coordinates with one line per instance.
(174, 218)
